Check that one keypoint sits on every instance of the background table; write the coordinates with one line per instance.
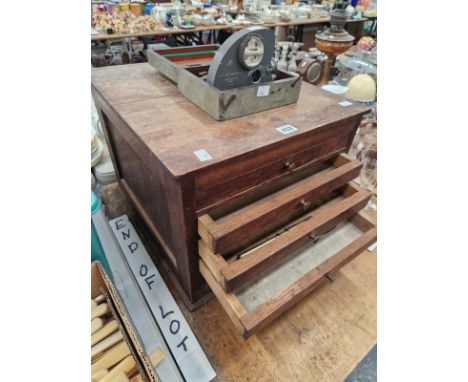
(167, 31)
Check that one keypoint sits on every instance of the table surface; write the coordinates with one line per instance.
(172, 127)
(169, 31)
(322, 338)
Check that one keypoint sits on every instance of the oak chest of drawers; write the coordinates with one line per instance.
(260, 208)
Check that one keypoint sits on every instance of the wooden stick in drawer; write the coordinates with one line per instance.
(240, 271)
(107, 330)
(99, 298)
(274, 210)
(111, 357)
(121, 377)
(99, 375)
(96, 324)
(99, 311)
(106, 343)
(137, 378)
(156, 357)
(126, 366)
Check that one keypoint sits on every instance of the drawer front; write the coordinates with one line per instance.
(270, 161)
(262, 258)
(279, 245)
(277, 170)
(244, 226)
(256, 288)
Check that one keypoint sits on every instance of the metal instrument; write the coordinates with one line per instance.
(245, 58)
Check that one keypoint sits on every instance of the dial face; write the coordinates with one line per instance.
(251, 52)
(313, 72)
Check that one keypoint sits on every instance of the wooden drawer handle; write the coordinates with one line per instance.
(304, 204)
(290, 166)
(313, 237)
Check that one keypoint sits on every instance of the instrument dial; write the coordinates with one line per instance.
(251, 51)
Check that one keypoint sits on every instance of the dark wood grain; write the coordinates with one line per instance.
(250, 322)
(152, 132)
(173, 127)
(282, 168)
(325, 335)
(271, 212)
(258, 260)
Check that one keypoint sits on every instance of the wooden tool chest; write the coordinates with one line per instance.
(260, 207)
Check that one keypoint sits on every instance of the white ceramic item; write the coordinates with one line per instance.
(335, 89)
(104, 171)
(96, 156)
(362, 88)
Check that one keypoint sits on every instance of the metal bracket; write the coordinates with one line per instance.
(304, 203)
(329, 277)
(231, 99)
(290, 166)
(313, 237)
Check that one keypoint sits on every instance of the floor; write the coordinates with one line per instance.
(323, 338)
(366, 370)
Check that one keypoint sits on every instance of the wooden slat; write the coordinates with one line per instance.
(273, 171)
(282, 301)
(343, 159)
(205, 223)
(229, 301)
(363, 221)
(146, 218)
(258, 260)
(225, 232)
(214, 262)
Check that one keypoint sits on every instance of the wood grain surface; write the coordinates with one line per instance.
(173, 128)
(153, 131)
(322, 338)
(242, 270)
(274, 210)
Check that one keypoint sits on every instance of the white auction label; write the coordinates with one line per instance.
(263, 91)
(286, 129)
(372, 247)
(345, 103)
(202, 155)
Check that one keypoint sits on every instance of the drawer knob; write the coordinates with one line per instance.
(313, 237)
(290, 166)
(304, 204)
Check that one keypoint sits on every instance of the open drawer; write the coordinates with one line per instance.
(261, 281)
(226, 233)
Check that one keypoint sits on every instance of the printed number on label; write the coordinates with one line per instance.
(286, 129)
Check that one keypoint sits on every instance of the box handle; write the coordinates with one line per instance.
(305, 204)
(290, 166)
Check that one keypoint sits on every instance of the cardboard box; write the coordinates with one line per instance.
(101, 284)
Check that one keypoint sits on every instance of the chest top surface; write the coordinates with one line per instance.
(173, 128)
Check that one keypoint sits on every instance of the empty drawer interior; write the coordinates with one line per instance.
(262, 280)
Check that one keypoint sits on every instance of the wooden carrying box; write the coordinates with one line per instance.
(186, 66)
(102, 285)
(249, 212)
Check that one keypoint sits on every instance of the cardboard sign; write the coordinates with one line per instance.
(184, 346)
